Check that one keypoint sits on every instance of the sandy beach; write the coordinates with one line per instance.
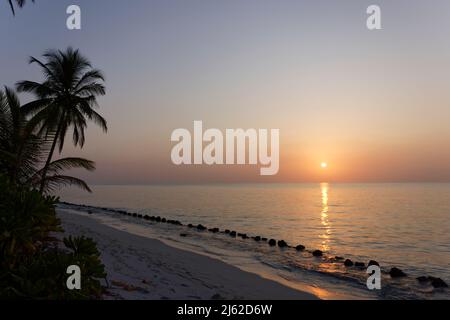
(146, 269)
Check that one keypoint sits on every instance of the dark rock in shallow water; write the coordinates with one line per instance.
(214, 230)
(158, 219)
(146, 217)
(201, 227)
(227, 231)
(190, 225)
(184, 235)
(300, 247)
(140, 216)
(360, 264)
(317, 253)
(373, 263)
(163, 220)
(134, 215)
(233, 234)
(438, 282)
(348, 263)
(264, 239)
(338, 258)
(272, 242)
(257, 238)
(282, 244)
(397, 273)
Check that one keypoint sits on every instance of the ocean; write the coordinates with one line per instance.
(403, 225)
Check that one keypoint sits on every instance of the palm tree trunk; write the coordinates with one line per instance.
(49, 158)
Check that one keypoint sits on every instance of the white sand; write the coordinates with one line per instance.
(143, 268)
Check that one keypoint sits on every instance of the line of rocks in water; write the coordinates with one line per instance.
(394, 271)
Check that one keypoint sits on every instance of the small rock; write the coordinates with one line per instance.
(257, 238)
(233, 234)
(373, 263)
(348, 263)
(227, 231)
(134, 215)
(360, 264)
(184, 235)
(217, 297)
(163, 220)
(397, 273)
(201, 227)
(338, 258)
(264, 239)
(272, 242)
(190, 225)
(438, 283)
(300, 247)
(282, 244)
(317, 253)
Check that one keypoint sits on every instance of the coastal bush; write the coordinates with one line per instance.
(33, 264)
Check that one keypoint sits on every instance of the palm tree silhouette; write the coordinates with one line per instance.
(66, 99)
(22, 152)
(19, 3)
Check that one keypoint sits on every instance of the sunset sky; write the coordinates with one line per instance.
(373, 105)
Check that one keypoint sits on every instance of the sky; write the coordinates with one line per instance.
(374, 105)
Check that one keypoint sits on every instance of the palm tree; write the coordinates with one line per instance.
(66, 99)
(19, 3)
(21, 151)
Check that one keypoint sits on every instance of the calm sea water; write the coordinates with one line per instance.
(402, 225)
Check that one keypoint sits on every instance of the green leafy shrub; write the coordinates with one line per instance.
(33, 265)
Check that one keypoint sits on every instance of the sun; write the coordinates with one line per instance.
(324, 165)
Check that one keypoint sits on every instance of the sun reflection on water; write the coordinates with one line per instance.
(326, 226)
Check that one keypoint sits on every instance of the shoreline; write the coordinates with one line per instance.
(141, 268)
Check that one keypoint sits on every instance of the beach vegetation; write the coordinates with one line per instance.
(34, 257)
(33, 260)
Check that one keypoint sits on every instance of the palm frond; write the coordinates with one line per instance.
(52, 183)
(20, 4)
(70, 163)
